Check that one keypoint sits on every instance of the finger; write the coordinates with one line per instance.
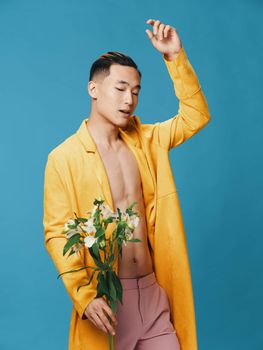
(160, 31)
(151, 37)
(108, 310)
(166, 30)
(150, 21)
(156, 26)
(149, 33)
(98, 323)
(106, 322)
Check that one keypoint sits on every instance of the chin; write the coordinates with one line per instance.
(123, 121)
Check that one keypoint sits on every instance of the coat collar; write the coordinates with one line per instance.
(128, 134)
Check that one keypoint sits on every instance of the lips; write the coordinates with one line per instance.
(125, 112)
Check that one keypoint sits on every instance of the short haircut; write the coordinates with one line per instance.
(101, 67)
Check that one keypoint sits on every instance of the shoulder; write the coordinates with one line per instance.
(148, 131)
(144, 128)
(64, 147)
(64, 152)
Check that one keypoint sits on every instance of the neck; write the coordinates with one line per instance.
(104, 133)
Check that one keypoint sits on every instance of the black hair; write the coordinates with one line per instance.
(101, 67)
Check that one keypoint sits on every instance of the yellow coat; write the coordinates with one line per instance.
(75, 175)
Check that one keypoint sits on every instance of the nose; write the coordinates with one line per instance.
(129, 98)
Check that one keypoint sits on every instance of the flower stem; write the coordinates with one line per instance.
(111, 337)
(111, 341)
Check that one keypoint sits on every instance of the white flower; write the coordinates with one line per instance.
(71, 233)
(94, 210)
(125, 216)
(133, 222)
(106, 211)
(88, 226)
(69, 222)
(128, 236)
(89, 241)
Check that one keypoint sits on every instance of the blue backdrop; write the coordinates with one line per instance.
(47, 48)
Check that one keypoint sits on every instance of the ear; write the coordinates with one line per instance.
(92, 89)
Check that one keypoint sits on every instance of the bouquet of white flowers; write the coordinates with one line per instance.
(91, 233)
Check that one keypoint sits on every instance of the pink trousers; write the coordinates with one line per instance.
(144, 318)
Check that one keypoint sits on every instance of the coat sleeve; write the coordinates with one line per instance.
(56, 212)
(193, 113)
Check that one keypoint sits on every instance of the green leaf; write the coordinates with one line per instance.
(99, 232)
(134, 240)
(73, 240)
(82, 219)
(118, 286)
(114, 306)
(95, 255)
(102, 284)
(111, 258)
(84, 267)
(132, 205)
(97, 201)
(119, 213)
(76, 221)
(119, 242)
(95, 250)
(129, 209)
(88, 281)
(120, 228)
(71, 252)
(72, 226)
(109, 219)
(114, 234)
(112, 289)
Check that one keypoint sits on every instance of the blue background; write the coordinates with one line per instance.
(47, 48)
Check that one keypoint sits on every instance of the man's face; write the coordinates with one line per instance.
(118, 91)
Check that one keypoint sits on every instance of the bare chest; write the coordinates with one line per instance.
(126, 187)
(123, 175)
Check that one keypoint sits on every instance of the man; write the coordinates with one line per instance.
(128, 161)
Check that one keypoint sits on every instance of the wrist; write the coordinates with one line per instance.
(172, 57)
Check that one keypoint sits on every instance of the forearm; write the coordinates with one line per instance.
(193, 113)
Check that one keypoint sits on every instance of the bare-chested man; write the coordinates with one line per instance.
(115, 96)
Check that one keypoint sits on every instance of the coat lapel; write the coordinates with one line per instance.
(147, 177)
(95, 161)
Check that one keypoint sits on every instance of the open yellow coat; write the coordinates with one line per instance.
(75, 175)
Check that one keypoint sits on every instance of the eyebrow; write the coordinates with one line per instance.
(125, 82)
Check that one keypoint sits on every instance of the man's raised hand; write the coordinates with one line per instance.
(164, 38)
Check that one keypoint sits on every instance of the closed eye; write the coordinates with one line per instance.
(123, 90)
